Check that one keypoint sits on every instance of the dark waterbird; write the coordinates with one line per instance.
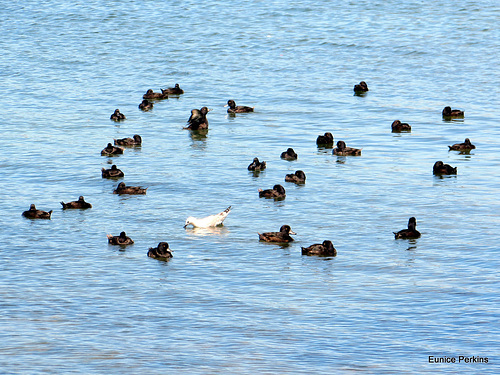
(456, 113)
(122, 239)
(256, 165)
(151, 95)
(282, 236)
(289, 154)
(33, 213)
(277, 192)
(79, 204)
(465, 146)
(146, 105)
(176, 90)
(133, 190)
(361, 87)
(398, 127)
(325, 140)
(112, 172)
(233, 108)
(325, 249)
(410, 233)
(117, 116)
(299, 177)
(343, 150)
(440, 168)
(198, 119)
(135, 141)
(111, 150)
(161, 252)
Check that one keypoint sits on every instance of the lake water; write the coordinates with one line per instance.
(227, 303)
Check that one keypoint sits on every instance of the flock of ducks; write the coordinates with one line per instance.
(198, 122)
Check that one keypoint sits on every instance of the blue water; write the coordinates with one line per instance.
(227, 303)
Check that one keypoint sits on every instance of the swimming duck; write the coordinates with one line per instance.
(289, 154)
(440, 168)
(80, 203)
(150, 94)
(145, 105)
(174, 90)
(123, 189)
(299, 177)
(466, 146)
(161, 252)
(256, 165)
(325, 140)
(409, 233)
(209, 221)
(361, 87)
(398, 127)
(343, 150)
(277, 192)
(282, 236)
(111, 150)
(113, 172)
(325, 249)
(135, 141)
(117, 116)
(198, 119)
(233, 108)
(448, 112)
(33, 213)
(121, 240)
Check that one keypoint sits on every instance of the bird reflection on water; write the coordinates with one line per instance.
(211, 231)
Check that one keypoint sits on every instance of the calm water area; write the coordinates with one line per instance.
(227, 303)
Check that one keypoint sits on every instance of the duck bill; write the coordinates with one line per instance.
(292, 232)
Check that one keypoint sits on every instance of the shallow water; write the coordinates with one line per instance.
(227, 303)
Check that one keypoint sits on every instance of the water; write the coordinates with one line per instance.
(227, 303)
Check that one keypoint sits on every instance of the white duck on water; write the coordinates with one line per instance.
(209, 221)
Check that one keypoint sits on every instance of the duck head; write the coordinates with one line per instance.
(412, 223)
(280, 189)
(300, 174)
(286, 229)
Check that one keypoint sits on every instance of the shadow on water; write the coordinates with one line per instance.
(451, 119)
(439, 179)
(256, 174)
(466, 153)
(198, 138)
(323, 151)
(319, 257)
(198, 135)
(118, 247)
(281, 245)
(412, 244)
(341, 159)
(360, 93)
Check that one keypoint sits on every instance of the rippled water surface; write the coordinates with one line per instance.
(225, 302)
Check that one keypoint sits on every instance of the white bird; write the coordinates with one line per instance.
(209, 221)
